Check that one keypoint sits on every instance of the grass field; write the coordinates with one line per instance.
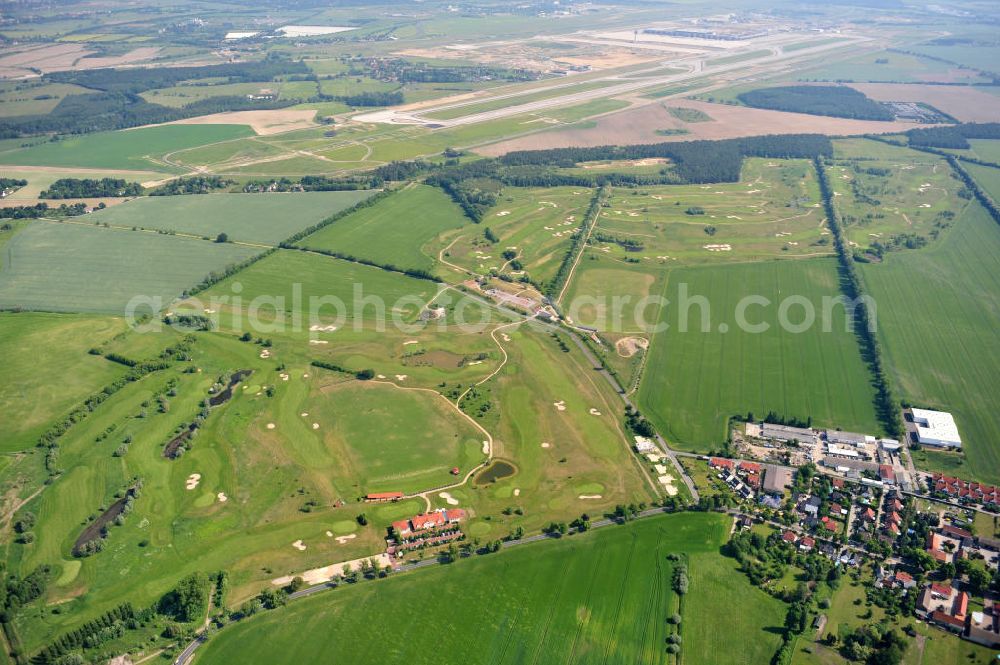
(131, 149)
(41, 392)
(947, 359)
(538, 224)
(986, 149)
(395, 231)
(882, 191)
(695, 380)
(255, 218)
(897, 67)
(772, 213)
(74, 267)
(596, 598)
(19, 98)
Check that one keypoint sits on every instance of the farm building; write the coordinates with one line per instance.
(849, 438)
(889, 445)
(777, 478)
(383, 497)
(786, 433)
(936, 428)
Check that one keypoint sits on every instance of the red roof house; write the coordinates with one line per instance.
(721, 463)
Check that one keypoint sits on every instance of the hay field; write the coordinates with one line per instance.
(252, 218)
(536, 223)
(135, 149)
(38, 387)
(695, 380)
(596, 598)
(938, 313)
(80, 268)
(773, 212)
(399, 230)
(964, 103)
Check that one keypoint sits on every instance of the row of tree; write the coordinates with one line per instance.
(90, 188)
(954, 137)
(887, 407)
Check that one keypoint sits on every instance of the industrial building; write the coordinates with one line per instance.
(936, 428)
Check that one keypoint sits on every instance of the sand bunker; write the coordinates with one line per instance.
(329, 534)
(318, 328)
(270, 426)
(344, 539)
(401, 377)
(594, 412)
(590, 496)
(318, 341)
(503, 213)
(546, 444)
(265, 353)
(452, 501)
(192, 481)
(668, 484)
(221, 496)
(412, 341)
(561, 405)
(315, 425)
(299, 545)
(486, 447)
(304, 414)
(517, 492)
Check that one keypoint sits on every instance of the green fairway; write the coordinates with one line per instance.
(394, 231)
(72, 267)
(256, 218)
(772, 213)
(537, 224)
(41, 388)
(126, 149)
(947, 355)
(695, 380)
(376, 437)
(597, 598)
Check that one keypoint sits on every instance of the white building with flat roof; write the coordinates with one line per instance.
(936, 428)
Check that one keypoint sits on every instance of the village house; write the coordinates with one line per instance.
(944, 605)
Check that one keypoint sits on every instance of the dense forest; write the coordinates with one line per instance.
(956, 137)
(84, 188)
(833, 100)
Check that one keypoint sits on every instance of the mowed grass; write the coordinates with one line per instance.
(881, 191)
(938, 316)
(381, 437)
(394, 231)
(596, 598)
(125, 149)
(40, 387)
(254, 218)
(537, 223)
(293, 283)
(76, 268)
(772, 213)
(695, 380)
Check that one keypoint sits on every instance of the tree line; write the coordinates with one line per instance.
(89, 188)
(954, 137)
(192, 185)
(886, 406)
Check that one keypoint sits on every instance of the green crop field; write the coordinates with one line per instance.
(42, 391)
(136, 149)
(695, 380)
(75, 267)
(275, 280)
(537, 223)
(772, 213)
(395, 231)
(897, 67)
(596, 598)
(946, 356)
(254, 218)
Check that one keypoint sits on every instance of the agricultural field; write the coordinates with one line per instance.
(29, 99)
(245, 218)
(695, 380)
(78, 267)
(886, 193)
(41, 392)
(536, 224)
(891, 67)
(772, 213)
(607, 584)
(407, 224)
(137, 149)
(947, 359)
